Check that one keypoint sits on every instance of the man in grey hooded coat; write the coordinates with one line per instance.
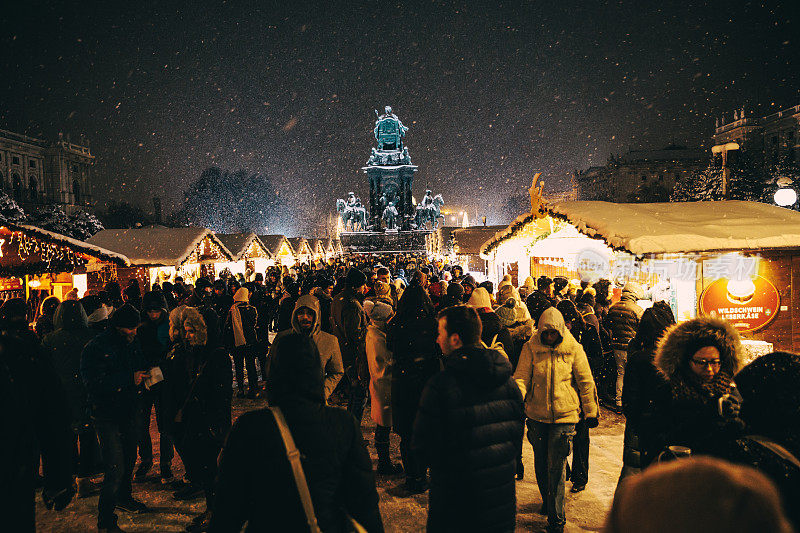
(306, 321)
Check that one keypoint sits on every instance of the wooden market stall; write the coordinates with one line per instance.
(248, 252)
(732, 259)
(302, 249)
(159, 254)
(36, 263)
(317, 249)
(280, 248)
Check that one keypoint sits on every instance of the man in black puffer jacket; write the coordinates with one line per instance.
(468, 427)
(623, 321)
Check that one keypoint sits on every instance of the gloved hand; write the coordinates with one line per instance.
(58, 500)
(592, 422)
(730, 405)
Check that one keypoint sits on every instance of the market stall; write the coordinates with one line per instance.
(35, 263)
(159, 254)
(249, 255)
(302, 249)
(280, 248)
(733, 259)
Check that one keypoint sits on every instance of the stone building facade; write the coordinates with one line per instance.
(773, 137)
(35, 172)
(639, 175)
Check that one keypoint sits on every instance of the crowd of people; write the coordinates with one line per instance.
(455, 369)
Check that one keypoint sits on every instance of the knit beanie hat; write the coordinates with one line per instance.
(242, 295)
(455, 290)
(469, 280)
(202, 284)
(125, 317)
(480, 299)
(506, 312)
(153, 301)
(355, 278)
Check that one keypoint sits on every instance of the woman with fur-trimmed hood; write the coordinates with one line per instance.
(197, 399)
(699, 358)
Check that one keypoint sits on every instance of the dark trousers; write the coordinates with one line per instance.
(243, 356)
(118, 447)
(85, 451)
(147, 401)
(357, 399)
(414, 468)
(580, 454)
(199, 452)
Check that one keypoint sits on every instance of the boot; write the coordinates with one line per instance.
(385, 465)
(85, 487)
(520, 468)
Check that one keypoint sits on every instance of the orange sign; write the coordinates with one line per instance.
(747, 304)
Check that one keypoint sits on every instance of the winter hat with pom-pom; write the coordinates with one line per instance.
(507, 312)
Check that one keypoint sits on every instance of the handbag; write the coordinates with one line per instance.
(293, 454)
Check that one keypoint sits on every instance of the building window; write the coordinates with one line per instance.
(32, 163)
(33, 189)
(16, 183)
(76, 191)
(14, 160)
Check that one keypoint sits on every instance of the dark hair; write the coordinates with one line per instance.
(463, 321)
(383, 271)
(488, 285)
(543, 282)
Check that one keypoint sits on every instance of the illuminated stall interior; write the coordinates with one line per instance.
(158, 254)
(35, 263)
(280, 248)
(248, 252)
(317, 249)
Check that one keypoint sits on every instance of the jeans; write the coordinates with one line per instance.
(118, 446)
(551, 443)
(620, 359)
(147, 400)
(580, 454)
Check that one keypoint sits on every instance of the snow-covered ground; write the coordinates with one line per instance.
(585, 511)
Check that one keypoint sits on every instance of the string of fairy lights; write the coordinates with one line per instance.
(48, 253)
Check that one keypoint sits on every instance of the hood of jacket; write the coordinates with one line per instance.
(682, 340)
(551, 319)
(485, 368)
(312, 303)
(70, 315)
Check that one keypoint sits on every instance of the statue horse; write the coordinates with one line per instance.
(430, 213)
(353, 218)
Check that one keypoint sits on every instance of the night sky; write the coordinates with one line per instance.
(491, 92)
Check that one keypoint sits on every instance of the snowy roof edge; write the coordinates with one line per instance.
(83, 246)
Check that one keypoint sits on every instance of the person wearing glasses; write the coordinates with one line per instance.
(699, 358)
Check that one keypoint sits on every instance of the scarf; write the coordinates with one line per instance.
(236, 321)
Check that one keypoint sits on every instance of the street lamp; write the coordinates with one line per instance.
(786, 196)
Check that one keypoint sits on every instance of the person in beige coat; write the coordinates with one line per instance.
(379, 359)
(554, 377)
(306, 321)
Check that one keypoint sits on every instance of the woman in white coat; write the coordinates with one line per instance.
(379, 359)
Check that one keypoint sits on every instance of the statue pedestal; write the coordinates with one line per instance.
(378, 242)
(394, 182)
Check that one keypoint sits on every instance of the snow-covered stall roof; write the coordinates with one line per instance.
(470, 240)
(274, 242)
(316, 246)
(568, 241)
(238, 243)
(683, 227)
(300, 246)
(155, 245)
(85, 248)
